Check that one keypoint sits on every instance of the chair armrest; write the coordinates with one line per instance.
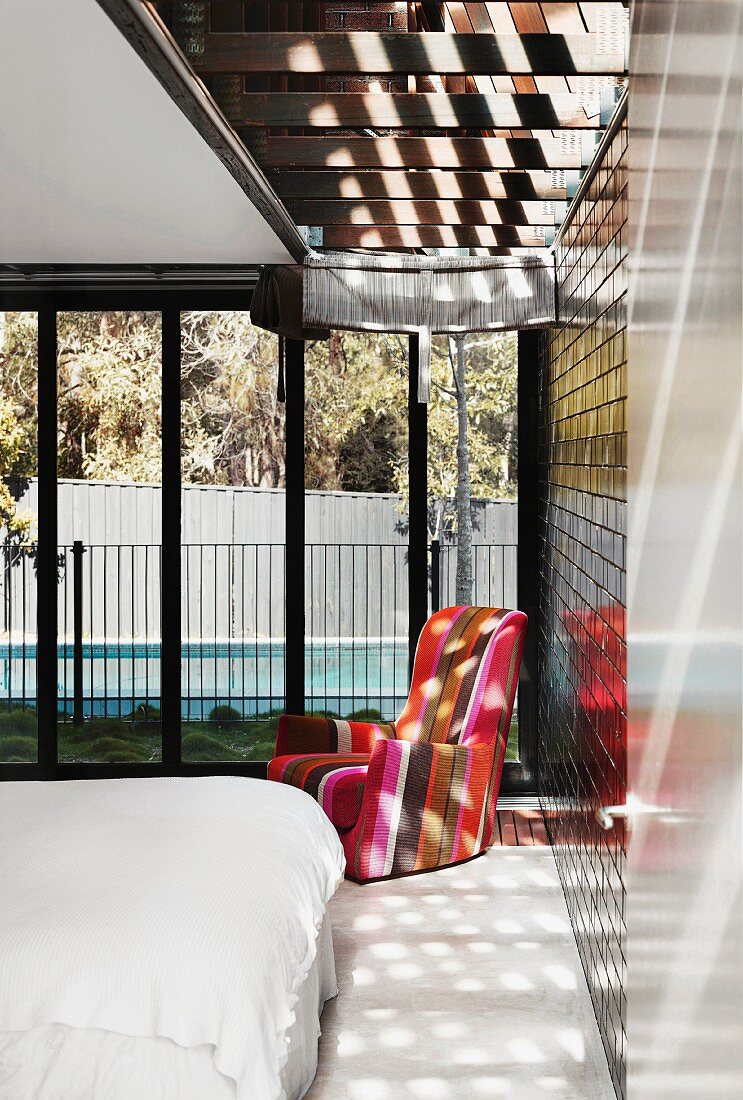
(298, 735)
(425, 805)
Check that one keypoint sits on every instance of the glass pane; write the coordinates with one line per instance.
(232, 448)
(109, 507)
(356, 617)
(18, 512)
(486, 574)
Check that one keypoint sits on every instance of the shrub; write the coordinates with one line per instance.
(18, 722)
(124, 756)
(17, 749)
(365, 715)
(145, 712)
(200, 746)
(222, 713)
(107, 746)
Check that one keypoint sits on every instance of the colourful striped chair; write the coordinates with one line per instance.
(418, 793)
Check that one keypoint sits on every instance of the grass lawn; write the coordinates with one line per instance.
(137, 739)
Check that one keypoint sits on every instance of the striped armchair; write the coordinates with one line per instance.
(418, 793)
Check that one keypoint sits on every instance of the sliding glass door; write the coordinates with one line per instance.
(109, 488)
(19, 506)
(232, 538)
(202, 529)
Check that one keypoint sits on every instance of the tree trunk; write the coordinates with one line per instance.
(463, 498)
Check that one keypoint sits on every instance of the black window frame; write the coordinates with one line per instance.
(47, 297)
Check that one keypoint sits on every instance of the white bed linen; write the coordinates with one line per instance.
(56, 1062)
(183, 908)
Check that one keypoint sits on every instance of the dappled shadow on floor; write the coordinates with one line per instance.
(465, 983)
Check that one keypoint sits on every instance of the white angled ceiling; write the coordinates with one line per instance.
(97, 164)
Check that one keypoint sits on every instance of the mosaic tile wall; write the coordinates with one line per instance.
(582, 640)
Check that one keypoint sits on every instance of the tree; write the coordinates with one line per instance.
(18, 418)
(109, 382)
(490, 373)
(355, 413)
(233, 425)
(232, 421)
(19, 535)
(367, 454)
(463, 495)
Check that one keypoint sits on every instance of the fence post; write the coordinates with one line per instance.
(295, 529)
(417, 504)
(77, 633)
(170, 553)
(435, 576)
(47, 564)
(528, 561)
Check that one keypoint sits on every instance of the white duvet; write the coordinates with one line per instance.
(182, 908)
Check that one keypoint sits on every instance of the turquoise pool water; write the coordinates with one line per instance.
(341, 675)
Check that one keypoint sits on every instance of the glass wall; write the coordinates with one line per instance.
(109, 387)
(232, 469)
(473, 475)
(356, 578)
(18, 530)
(233, 526)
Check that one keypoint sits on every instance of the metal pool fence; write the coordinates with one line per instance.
(356, 625)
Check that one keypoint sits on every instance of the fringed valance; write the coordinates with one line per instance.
(422, 294)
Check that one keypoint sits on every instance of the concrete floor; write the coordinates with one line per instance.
(459, 985)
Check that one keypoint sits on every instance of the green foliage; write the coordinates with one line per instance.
(17, 749)
(109, 396)
(17, 425)
(512, 745)
(118, 740)
(223, 713)
(18, 723)
(19, 392)
(232, 422)
(355, 421)
(145, 712)
(110, 750)
(114, 741)
(491, 373)
(233, 425)
(369, 455)
(200, 746)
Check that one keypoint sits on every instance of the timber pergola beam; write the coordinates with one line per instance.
(437, 236)
(344, 186)
(365, 52)
(404, 153)
(416, 125)
(416, 110)
(425, 212)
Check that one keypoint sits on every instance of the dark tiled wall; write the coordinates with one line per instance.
(582, 640)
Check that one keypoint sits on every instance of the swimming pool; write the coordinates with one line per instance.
(342, 675)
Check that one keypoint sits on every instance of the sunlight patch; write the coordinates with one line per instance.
(526, 1050)
(573, 1043)
(350, 1044)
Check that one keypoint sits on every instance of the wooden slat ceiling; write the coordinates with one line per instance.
(402, 126)
(413, 53)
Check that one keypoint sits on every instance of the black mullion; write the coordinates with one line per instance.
(126, 296)
(418, 503)
(46, 555)
(528, 547)
(170, 585)
(26, 772)
(295, 528)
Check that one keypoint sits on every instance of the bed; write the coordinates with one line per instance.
(163, 939)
